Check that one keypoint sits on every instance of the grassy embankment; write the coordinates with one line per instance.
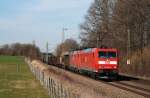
(140, 64)
(16, 80)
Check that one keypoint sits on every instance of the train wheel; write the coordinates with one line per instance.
(93, 75)
(80, 72)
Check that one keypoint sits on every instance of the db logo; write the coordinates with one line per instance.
(107, 61)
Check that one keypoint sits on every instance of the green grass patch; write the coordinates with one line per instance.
(16, 80)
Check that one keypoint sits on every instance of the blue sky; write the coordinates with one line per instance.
(40, 20)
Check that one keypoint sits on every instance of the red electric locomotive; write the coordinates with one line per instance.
(97, 61)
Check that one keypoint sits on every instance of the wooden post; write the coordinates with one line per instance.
(69, 96)
(66, 94)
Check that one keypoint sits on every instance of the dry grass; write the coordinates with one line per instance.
(85, 87)
(140, 64)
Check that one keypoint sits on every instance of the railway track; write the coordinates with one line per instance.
(132, 84)
(135, 89)
(128, 87)
(119, 83)
(124, 86)
(133, 79)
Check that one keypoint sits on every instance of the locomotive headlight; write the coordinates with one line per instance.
(113, 62)
(101, 62)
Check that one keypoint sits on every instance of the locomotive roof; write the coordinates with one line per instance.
(94, 49)
(108, 49)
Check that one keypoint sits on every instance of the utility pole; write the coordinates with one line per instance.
(33, 51)
(128, 47)
(47, 52)
(63, 38)
(99, 39)
(146, 27)
(33, 42)
(63, 34)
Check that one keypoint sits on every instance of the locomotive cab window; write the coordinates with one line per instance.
(112, 55)
(102, 54)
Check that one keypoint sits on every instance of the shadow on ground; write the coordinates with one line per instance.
(119, 78)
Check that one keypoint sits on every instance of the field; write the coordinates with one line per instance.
(16, 80)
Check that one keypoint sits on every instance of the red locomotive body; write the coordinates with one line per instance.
(96, 60)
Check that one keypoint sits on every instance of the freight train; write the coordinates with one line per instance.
(97, 62)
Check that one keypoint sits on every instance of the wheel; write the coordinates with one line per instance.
(93, 75)
(80, 71)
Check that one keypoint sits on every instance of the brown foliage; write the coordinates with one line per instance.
(68, 45)
(130, 15)
(95, 30)
(139, 64)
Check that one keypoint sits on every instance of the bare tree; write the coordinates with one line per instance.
(68, 45)
(123, 24)
(96, 28)
(130, 15)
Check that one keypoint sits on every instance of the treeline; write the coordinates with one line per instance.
(17, 49)
(113, 22)
(122, 24)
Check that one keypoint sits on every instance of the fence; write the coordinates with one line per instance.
(62, 84)
(54, 87)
